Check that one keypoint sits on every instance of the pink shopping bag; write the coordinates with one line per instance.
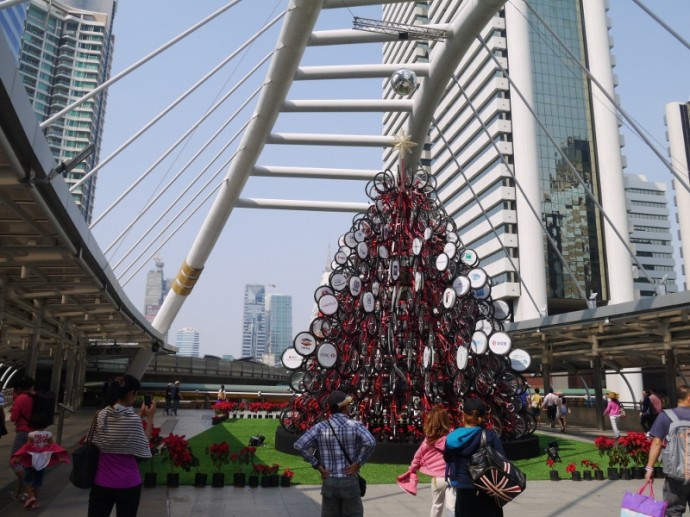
(640, 505)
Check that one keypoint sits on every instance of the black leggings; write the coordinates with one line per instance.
(125, 500)
(469, 501)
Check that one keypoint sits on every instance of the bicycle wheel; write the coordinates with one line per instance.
(296, 381)
(291, 420)
(313, 381)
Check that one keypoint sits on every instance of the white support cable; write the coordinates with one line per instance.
(534, 211)
(486, 215)
(572, 169)
(662, 23)
(165, 241)
(10, 3)
(177, 101)
(152, 201)
(179, 212)
(187, 133)
(640, 131)
(136, 65)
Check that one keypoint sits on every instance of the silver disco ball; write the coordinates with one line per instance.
(404, 82)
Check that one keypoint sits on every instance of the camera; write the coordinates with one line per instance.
(147, 400)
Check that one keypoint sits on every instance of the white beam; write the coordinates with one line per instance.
(338, 140)
(269, 171)
(358, 71)
(293, 204)
(347, 105)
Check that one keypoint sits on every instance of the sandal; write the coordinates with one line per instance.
(34, 506)
(29, 503)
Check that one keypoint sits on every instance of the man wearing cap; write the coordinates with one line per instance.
(175, 397)
(340, 490)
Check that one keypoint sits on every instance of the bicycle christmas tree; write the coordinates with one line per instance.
(406, 321)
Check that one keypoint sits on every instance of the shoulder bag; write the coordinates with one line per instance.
(362, 481)
(85, 460)
(494, 475)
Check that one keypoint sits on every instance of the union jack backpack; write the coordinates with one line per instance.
(494, 475)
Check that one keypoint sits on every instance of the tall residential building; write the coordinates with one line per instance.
(187, 342)
(254, 321)
(678, 133)
(650, 235)
(474, 172)
(63, 50)
(157, 287)
(279, 328)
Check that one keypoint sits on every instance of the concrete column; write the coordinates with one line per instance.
(69, 374)
(80, 373)
(32, 351)
(546, 366)
(598, 390)
(56, 373)
(670, 370)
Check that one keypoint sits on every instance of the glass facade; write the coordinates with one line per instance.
(187, 342)
(563, 104)
(279, 324)
(254, 321)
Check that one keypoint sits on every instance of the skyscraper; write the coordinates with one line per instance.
(64, 51)
(187, 342)
(678, 132)
(156, 288)
(279, 324)
(254, 321)
(650, 235)
(474, 171)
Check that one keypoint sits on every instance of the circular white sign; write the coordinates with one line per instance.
(395, 269)
(327, 355)
(375, 288)
(291, 359)
(338, 281)
(417, 244)
(383, 252)
(362, 250)
(340, 257)
(450, 249)
(519, 360)
(368, 302)
(418, 281)
(442, 262)
(469, 257)
(500, 343)
(355, 286)
(304, 343)
(452, 237)
(501, 310)
(482, 293)
(461, 284)
(461, 357)
(428, 357)
(428, 232)
(320, 291)
(485, 326)
(479, 342)
(449, 297)
(350, 240)
(328, 304)
(360, 235)
(478, 278)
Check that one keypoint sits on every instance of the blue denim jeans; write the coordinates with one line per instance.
(340, 498)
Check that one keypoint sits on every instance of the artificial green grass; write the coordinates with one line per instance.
(237, 433)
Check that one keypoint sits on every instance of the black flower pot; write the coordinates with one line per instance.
(554, 475)
(218, 480)
(150, 480)
(239, 480)
(576, 475)
(173, 480)
(587, 475)
(612, 473)
(638, 473)
(275, 480)
(659, 472)
(200, 479)
(253, 480)
(265, 481)
(284, 481)
(625, 473)
(599, 475)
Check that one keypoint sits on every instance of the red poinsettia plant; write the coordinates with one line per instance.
(589, 464)
(178, 452)
(550, 462)
(155, 442)
(571, 468)
(219, 453)
(287, 473)
(637, 446)
(614, 450)
(243, 458)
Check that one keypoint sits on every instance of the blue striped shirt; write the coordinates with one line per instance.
(356, 439)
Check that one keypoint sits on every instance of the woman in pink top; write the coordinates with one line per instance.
(613, 410)
(429, 459)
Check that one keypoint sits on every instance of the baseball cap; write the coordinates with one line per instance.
(339, 399)
(472, 405)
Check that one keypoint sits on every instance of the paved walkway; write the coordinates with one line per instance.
(60, 499)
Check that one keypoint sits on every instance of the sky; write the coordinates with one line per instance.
(287, 250)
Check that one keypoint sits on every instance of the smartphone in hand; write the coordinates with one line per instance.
(147, 400)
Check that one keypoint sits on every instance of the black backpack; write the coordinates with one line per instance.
(43, 411)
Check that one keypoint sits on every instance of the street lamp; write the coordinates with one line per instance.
(592, 300)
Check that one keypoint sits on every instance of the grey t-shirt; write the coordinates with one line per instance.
(663, 422)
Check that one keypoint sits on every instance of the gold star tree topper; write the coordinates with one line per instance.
(403, 143)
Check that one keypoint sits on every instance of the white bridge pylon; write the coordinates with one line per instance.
(295, 36)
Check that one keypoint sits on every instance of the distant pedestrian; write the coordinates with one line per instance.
(550, 403)
(614, 410)
(656, 401)
(647, 412)
(535, 405)
(221, 393)
(168, 399)
(20, 414)
(344, 445)
(563, 411)
(176, 396)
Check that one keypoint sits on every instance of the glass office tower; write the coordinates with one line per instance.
(63, 50)
(279, 324)
(254, 321)
(187, 342)
(475, 171)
